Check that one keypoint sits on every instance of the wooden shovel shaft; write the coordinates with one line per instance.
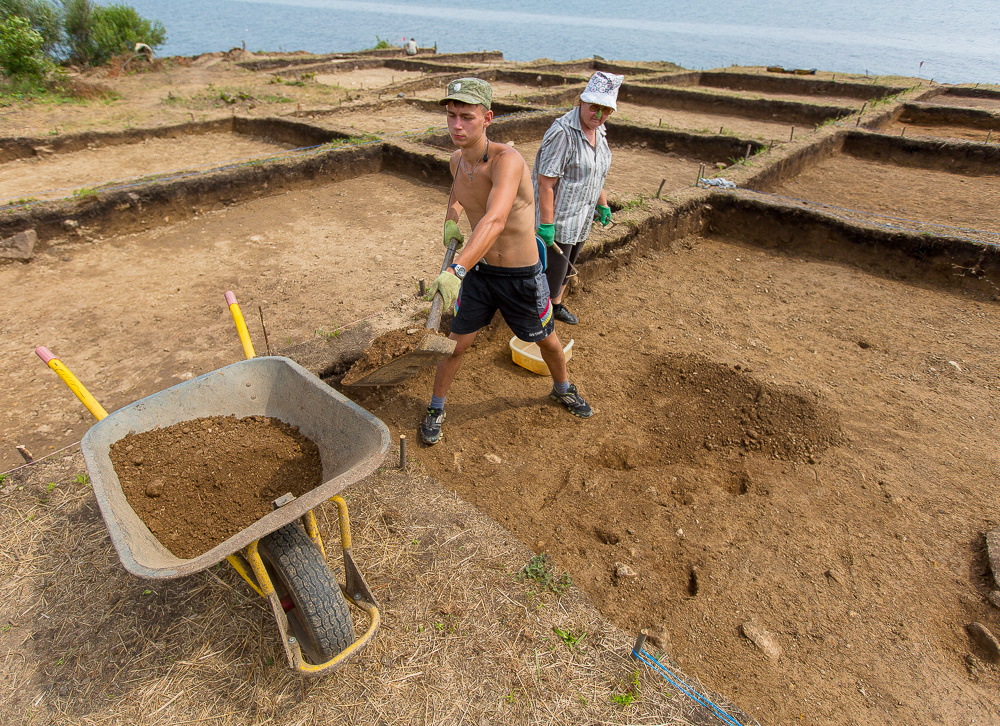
(437, 305)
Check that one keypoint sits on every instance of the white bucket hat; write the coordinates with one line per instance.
(602, 89)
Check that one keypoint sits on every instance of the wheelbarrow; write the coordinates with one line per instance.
(281, 556)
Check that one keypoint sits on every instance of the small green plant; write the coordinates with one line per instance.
(83, 479)
(50, 486)
(2, 477)
(84, 193)
(567, 637)
(630, 693)
(622, 699)
(331, 334)
(539, 569)
(382, 44)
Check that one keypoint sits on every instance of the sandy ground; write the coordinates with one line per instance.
(791, 446)
(706, 123)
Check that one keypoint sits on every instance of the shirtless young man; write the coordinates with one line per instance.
(493, 187)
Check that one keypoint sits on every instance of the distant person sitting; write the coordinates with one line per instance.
(411, 46)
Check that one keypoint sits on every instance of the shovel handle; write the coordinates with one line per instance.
(437, 305)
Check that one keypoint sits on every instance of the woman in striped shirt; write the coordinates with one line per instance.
(570, 168)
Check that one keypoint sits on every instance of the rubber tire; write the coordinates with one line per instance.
(320, 620)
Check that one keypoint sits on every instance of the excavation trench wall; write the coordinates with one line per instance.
(953, 156)
(962, 92)
(268, 129)
(588, 68)
(924, 259)
(140, 207)
(928, 115)
(703, 102)
(779, 84)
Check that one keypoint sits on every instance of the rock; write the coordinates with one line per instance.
(154, 488)
(400, 95)
(762, 639)
(995, 598)
(19, 247)
(622, 571)
(493, 458)
(982, 637)
(993, 552)
(835, 576)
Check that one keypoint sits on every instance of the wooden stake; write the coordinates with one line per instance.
(402, 451)
(661, 188)
(640, 641)
(988, 135)
(901, 133)
(720, 130)
(267, 344)
(792, 135)
(25, 455)
(745, 158)
(423, 288)
(771, 146)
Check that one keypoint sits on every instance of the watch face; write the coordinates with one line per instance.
(459, 271)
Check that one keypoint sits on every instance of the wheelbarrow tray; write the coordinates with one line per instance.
(351, 441)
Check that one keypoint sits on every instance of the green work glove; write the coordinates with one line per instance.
(448, 285)
(602, 214)
(451, 232)
(547, 233)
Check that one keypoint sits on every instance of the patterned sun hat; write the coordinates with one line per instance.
(602, 89)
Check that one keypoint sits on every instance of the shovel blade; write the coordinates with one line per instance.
(431, 349)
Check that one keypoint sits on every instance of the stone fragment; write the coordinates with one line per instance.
(491, 457)
(981, 636)
(763, 640)
(993, 553)
(835, 576)
(995, 598)
(19, 247)
(622, 570)
(154, 488)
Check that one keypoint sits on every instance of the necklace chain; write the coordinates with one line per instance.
(480, 159)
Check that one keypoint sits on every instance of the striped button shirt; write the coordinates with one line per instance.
(581, 169)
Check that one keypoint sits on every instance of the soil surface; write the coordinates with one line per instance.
(195, 484)
(384, 349)
(791, 464)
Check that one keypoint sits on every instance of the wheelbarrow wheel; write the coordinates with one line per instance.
(314, 603)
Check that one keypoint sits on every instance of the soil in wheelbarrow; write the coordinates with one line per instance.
(199, 482)
(384, 349)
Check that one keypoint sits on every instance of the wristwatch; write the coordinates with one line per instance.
(459, 270)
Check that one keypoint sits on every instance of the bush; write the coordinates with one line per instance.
(95, 34)
(21, 54)
(43, 16)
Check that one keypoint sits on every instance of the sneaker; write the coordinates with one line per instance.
(559, 312)
(430, 429)
(572, 400)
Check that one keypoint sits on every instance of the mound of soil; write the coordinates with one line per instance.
(199, 482)
(384, 349)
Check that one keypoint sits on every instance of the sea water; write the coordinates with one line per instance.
(947, 40)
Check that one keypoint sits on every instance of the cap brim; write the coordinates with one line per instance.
(463, 98)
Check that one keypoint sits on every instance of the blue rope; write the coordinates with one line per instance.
(693, 695)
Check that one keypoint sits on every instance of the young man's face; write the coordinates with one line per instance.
(467, 123)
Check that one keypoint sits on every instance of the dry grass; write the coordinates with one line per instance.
(464, 640)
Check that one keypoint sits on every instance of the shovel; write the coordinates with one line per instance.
(429, 351)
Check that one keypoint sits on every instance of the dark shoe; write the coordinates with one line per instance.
(430, 429)
(559, 312)
(573, 402)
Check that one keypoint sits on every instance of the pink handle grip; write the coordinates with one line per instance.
(45, 354)
(230, 298)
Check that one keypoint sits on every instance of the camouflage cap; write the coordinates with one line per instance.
(475, 91)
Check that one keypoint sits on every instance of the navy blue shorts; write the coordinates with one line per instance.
(521, 294)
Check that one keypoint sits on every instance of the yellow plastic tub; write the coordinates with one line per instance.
(528, 355)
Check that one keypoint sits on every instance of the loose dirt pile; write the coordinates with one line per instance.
(197, 483)
(384, 349)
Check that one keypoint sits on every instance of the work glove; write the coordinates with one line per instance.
(546, 233)
(451, 232)
(448, 285)
(602, 214)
